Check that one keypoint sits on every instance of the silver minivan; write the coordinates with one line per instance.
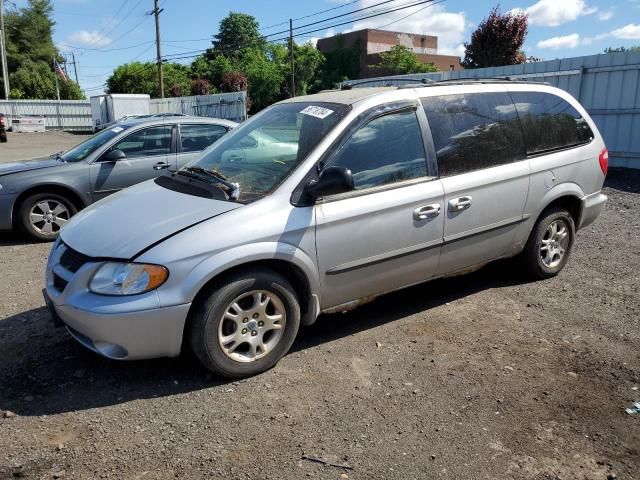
(319, 204)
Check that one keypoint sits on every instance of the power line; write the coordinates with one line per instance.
(305, 33)
(99, 50)
(108, 24)
(410, 15)
(311, 15)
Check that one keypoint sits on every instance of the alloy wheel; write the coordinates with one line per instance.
(252, 325)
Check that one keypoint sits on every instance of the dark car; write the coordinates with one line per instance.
(41, 195)
(3, 128)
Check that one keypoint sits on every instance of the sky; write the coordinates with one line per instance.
(104, 34)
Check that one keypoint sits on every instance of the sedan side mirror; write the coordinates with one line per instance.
(332, 180)
(114, 156)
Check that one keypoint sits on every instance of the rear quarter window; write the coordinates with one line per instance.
(550, 122)
(473, 131)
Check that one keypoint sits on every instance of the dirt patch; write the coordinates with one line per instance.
(486, 376)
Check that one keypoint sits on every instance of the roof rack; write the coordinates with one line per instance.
(424, 82)
(481, 80)
(387, 83)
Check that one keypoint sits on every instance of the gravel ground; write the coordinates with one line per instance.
(23, 146)
(486, 376)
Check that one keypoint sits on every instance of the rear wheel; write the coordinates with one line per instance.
(246, 325)
(550, 243)
(43, 215)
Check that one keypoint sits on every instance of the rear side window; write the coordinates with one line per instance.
(473, 131)
(549, 122)
(386, 150)
(195, 138)
(146, 142)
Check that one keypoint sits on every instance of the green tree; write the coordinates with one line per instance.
(137, 77)
(237, 33)
(264, 76)
(401, 60)
(212, 68)
(497, 41)
(308, 62)
(38, 81)
(634, 48)
(343, 63)
(30, 53)
(29, 34)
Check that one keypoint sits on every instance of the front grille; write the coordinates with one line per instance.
(73, 260)
(59, 283)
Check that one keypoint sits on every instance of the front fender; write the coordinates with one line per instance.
(222, 261)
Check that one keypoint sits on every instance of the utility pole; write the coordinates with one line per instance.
(156, 12)
(75, 69)
(3, 53)
(293, 80)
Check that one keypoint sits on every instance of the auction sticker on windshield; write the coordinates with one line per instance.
(318, 112)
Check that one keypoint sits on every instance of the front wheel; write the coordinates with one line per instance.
(246, 325)
(550, 243)
(43, 215)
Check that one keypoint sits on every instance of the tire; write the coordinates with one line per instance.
(546, 253)
(3, 136)
(52, 212)
(223, 344)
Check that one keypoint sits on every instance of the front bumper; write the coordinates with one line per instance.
(118, 327)
(592, 205)
(6, 210)
(130, 335)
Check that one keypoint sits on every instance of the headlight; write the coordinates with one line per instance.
(115, 278)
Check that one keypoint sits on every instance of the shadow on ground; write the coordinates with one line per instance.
(623, 179)
(45, 372)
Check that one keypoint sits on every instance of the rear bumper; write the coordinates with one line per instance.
(591, 207)
(127, 335)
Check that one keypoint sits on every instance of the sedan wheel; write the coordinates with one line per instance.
(43, 215)
(49, 216)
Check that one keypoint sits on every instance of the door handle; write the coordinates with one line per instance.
(161, 166)
(460, 203)
(427, 211)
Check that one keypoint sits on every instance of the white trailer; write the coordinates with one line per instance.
(106, 109)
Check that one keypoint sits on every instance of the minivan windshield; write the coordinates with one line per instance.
(260, 153)
(91, 144)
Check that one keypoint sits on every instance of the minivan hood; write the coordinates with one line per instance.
(123, 224)
(26, 165)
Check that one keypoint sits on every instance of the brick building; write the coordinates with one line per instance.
(373, 42)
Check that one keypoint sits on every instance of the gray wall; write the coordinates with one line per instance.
(607, 85)
(75, 115)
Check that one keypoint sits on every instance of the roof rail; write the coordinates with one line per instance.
(505, 79)
(387, 83)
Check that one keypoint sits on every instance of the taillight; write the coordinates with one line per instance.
(604, 160)
(1, 121)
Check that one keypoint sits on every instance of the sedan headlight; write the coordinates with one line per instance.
(114, 278)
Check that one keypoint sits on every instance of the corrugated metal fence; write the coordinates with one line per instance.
(65, 115)
(607, 85)
(75, 115)
(231, 106)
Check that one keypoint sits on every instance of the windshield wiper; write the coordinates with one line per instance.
(58, 156)
(231, 189)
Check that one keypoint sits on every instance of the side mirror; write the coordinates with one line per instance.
(114, 156)
(332, 180)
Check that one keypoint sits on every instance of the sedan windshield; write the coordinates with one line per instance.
(259, 154)
(91, 144)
